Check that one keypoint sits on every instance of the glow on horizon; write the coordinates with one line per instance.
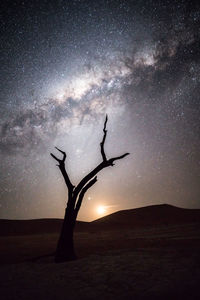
(101, 210)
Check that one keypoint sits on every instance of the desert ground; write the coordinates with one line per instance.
(153, 259)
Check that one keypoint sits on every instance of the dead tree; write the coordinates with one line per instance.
(65, 247)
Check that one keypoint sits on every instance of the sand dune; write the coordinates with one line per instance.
(146, 253)
(156, 215)
(35, 226)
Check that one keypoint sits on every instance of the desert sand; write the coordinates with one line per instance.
(149, 259)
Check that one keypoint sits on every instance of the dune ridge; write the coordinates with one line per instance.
(154, 215)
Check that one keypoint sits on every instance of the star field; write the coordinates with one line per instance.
(64, 65)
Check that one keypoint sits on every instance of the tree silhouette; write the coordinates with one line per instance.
(65, 247)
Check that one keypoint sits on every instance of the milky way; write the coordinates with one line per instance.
(63, 67)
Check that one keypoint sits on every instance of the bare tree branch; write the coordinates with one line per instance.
(65, 247)
(64, 154)
(63, 170)
(111, 160)
(96, 170)
(88, 177)
(66, 177)
(59, 160)
(103, 140)
(82, 193)
(56, 158)
(105, 163)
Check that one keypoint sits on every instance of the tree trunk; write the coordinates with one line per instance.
(65, 248)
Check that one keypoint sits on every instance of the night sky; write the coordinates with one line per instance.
(64, 65)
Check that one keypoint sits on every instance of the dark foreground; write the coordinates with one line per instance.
(148, 263)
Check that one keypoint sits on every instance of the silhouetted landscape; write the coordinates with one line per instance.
(140, 217)
(99, 112)
(145, 253)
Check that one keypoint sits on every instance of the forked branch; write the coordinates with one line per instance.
(64, 154)
(82, 193)
(111, 160)
(103, 140)
(105, 163)
(61, 161)
(65, 247)
(62, 169)
(79, 191)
